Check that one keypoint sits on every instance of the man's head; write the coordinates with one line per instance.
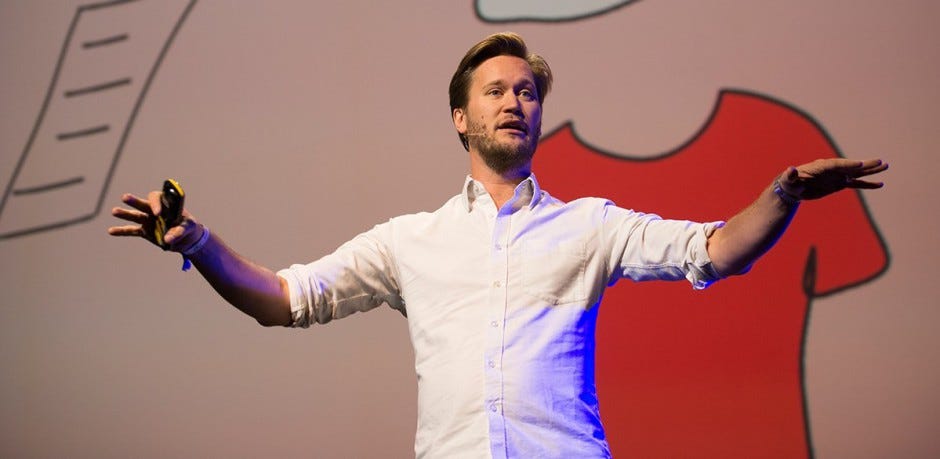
(496, 98)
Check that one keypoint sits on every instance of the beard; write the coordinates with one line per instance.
(499, 156)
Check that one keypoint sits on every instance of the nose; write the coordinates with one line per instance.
(512, 103)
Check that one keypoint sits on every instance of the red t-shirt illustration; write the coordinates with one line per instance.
(716, 373)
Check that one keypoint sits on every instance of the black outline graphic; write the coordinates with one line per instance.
(522, 18)
(809, 272)
(11, 190)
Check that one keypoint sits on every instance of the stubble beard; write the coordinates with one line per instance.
(501, 157)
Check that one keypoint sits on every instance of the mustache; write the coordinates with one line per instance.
(476, 134)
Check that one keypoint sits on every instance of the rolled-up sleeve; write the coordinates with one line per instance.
(357, 277)
(647, 247)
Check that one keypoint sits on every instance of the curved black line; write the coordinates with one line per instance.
(49, 226)
(658, 156)
(97, 87)
(476, 11)
(105, 41)
(809, 285)
(49, 186)
(809, 276)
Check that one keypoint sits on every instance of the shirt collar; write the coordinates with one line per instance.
(527, 193)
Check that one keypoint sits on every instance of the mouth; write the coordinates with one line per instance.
(516, 126)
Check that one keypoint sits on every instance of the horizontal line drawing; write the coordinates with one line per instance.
(49, 186)
(106, 4)
(59, 224)
(98, 87)
(105, 41)
(83, 132)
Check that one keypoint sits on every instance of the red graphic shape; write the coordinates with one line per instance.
(716, 373)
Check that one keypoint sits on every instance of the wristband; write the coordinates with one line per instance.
(193, 249)
(784, 196)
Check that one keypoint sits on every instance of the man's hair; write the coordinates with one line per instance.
(498, 44)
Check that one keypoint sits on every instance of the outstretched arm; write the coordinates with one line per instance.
(753, 231)
(253, 289)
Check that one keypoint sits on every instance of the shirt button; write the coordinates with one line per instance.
(492, 364)
(494, 408)
(497, 284)
(499, 247)
(494, 324)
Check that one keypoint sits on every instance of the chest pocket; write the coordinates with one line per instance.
(554, 272)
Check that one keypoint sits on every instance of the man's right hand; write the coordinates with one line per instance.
(143, 214)
(253, 289)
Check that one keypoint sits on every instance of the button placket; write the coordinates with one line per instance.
(496, 313)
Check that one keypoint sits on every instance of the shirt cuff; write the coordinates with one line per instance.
(299, 302)
(700, 272)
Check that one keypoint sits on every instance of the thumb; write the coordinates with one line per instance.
(790, 182)
(791, 175)
(173, 236)
(183, 235)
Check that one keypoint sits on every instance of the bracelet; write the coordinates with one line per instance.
(198, 245)
(784, 196)
(194, 248)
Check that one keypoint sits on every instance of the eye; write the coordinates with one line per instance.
(527, 94)
(494, 92)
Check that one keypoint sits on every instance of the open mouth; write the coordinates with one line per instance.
(514, 125)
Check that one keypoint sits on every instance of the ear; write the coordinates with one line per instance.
(460, 120)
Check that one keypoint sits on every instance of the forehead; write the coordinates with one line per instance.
(507, 69)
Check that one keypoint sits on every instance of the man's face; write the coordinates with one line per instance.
(503, 117)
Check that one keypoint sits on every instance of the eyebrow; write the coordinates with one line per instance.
(502, 83)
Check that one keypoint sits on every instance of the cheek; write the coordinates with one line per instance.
(535, 116)
(480, 121)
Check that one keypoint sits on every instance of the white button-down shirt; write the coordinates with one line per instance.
(502, 306)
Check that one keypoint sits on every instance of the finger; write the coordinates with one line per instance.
(853, 169)
(875, 168)
(867, 163)
(864, 184)
(135, 202)
(154, 199)
(135, 216)
(126, 230)
(858, 166)
(847, 165)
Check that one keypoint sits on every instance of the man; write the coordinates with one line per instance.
(500, 285)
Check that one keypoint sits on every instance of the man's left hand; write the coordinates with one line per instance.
(826, 176)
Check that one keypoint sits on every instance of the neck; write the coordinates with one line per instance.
(500, 185)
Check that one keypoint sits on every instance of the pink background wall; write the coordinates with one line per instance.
(293, 126)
